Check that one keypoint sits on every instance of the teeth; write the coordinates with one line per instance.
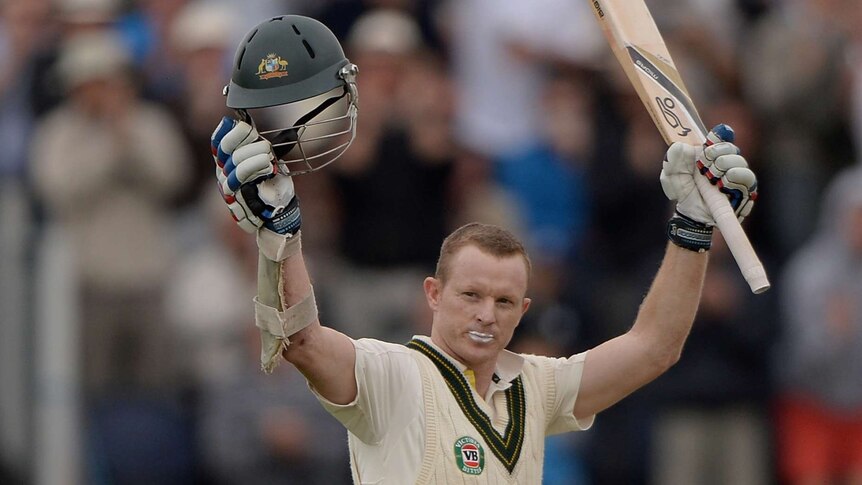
(480, 337)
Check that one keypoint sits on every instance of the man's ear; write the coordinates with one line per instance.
(526, 306)
(433, 288)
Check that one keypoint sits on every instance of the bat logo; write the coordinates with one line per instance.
(667, 105)
(598, 8)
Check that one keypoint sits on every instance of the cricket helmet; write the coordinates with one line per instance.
(293, 83)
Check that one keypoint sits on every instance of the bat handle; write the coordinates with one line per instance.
(737, 241)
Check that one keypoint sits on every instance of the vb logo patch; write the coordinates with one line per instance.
(469, 455)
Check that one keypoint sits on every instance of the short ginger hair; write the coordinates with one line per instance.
(490, 239)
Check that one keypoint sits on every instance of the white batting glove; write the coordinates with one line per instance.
(257, 195)
(721, 163)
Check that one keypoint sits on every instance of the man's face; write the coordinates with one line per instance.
(478, 307)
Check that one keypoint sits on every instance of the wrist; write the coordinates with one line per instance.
(278, 247)
(689, 234)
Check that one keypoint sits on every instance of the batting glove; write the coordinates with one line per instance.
(257, 195)
(719, 160)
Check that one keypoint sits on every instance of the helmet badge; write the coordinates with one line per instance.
(272, 66)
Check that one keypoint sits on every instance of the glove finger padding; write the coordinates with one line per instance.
(740, 185)
(227, 144)
(711, 153)
(725, 168)
(229, 135)
(221, 130)
(241, 134)
(248, 164)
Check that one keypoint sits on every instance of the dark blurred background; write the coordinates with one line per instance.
(128, 353)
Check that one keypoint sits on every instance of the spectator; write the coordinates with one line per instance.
(548, 178)
(819, 418)
(106, 164)
(605, 281)
(198, 38)
(854, 65)
(803, 108)
(25, 29)
(393, 184)
(73, 18)
(258, 428)
(341, 15)
(500, 51)
(710, 424)
(147, 30)
(210, 328)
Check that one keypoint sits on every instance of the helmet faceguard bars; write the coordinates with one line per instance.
(290, 71)
(291, 144)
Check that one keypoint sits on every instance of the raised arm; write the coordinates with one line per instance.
(618, 367)
(262, 201)
(325, 356)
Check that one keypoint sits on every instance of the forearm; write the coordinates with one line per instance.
(295, 283)
(667, 313)
(616, 368)
(620, 366)
(323, 355)
(285, 303)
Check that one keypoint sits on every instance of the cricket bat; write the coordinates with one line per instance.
(641, 50)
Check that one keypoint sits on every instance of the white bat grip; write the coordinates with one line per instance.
(737, 241)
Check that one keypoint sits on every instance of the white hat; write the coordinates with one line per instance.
(384, 30)
(93, 55)
(203, 24)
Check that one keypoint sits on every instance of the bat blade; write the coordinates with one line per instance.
(641, 51)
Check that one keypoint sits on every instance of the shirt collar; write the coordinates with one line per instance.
(509, 364)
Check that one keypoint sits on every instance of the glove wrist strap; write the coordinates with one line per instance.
(689, 234)
(287, 221)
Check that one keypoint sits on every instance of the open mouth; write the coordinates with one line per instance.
(482, 338)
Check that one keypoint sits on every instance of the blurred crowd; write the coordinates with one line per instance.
(128, 352)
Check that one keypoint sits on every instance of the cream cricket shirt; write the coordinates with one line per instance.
(416, 419)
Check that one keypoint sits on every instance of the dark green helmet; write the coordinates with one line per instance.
(283, 60)
(295, 60)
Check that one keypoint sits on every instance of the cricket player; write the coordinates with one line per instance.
(455, 406)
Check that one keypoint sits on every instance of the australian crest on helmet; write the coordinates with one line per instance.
(272, 66)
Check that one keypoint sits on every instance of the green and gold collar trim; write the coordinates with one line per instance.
(507, 448)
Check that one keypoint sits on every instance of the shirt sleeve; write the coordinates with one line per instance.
(389, 389)
(567, 377)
